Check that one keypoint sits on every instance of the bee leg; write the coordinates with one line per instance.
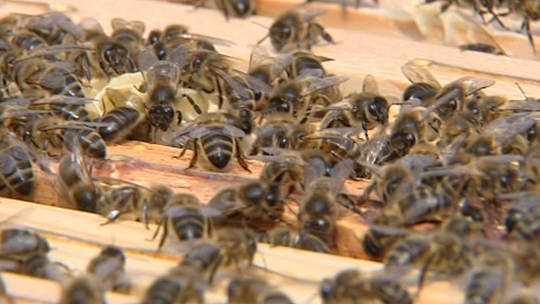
(193, 160)
(193, 104)
(323, 33)
(213, 270)
(179, 120)
(346, 201)
(240, 157)
(220, 93)
(423, 273)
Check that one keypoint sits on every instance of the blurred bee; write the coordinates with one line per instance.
(40, 266)
(256, 203)
(267, 69)
(109, 268)
(350, 286)
(215, 142)
(181, 285)
(521, 219)
(129, 33)
(143, 203)
(236, 8)
(490, 278)
(17, 174)
(75, 182)
(282, 236)
(319, 207)
(445, 101)
(365, 110)
(393, 180)
(297, 28)
(21, 245)
(249, 289)
(231, 247)
(413, 126)
(295, 96)
(185, 218)
(83, 290)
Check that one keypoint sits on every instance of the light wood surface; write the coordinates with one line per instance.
(85, 238)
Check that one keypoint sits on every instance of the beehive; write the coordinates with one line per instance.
(370, 41)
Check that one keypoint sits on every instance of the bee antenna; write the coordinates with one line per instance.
(261, 25)
(522, 91)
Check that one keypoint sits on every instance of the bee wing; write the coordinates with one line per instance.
(277, 151)
(522, 106)
(375, 147)
(479, 34)
(241, 90)
(310, 14)
(62, 21)
(337, 107)
(370, 85)
(343, 170)
(64, 100)
(314, 170)
(213, 40)
(390, 230)
(7, 164)
(119, 23)
(376, 169)
(475, 84)
(54, 80)
(454, 170)
(506, 127)
(164, 69)
(91, 24)
(501, 159)
(289, 159)
(179, 55)
(146, 59)
(138, 26)
(418, 74)
(325, 82)
(309, 73)
(257, 85)
(258, 56)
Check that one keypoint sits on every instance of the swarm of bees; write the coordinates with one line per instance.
(454, 159)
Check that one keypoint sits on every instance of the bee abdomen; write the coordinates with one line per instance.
(163, 291)
(120, 122)
(190, 226)
(17, 171)
(92, 143)
(219, 149)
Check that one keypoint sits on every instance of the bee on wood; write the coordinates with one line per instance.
(83, 290)
(283, 236)
(297, 28)
(248, 289)
(182, 285)
(109, 268)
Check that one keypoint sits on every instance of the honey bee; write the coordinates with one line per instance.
(236, 8)
(181, 285)
(231, 247)
(254, 203)
(75, 182)
(461, 125)
(365, 110)
(282, 236)
(17, 176)
(129, 33)
(249, 289)
(185, 218)
(413, 126)
(521, 218)
(55, 28)
(447, 100)
(83, 290)
(319, 207)
(295, 96)
(109, 268)
(215, 142)
(297, 28)
(163, 78)
(113, 57)
(39, 265)
(350, 286)
(21, 245)
(267, 69)
(147, 204)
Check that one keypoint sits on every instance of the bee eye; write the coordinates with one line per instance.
(373, 109)
(283, 142)
(285, 107)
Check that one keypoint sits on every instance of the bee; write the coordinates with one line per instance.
(75, 182)
(113, 57)
(521, 218)
(215, 142)
(231, 247)
(83, 290)
(413, 126)
(267, 69)
(319, 207)
(461, 125)
(393, 180)
(254, 203)
(163, 78)
(297, 28)
(249, 289)
(342, 143)
(55, 28)
(445, 252)
(40, 266)
(236, 8)
(17, 175)
(282, 236)
(365, 110)
(350, 286)
(490, 278)
(295, 96)
(129, 33)
(21, 245)
(109, 268)
(185, 218)
(146, 204)
(181, 285)
(447, 100)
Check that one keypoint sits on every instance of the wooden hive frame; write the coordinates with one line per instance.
(78, 236)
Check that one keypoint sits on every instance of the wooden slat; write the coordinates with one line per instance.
(85, 238)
